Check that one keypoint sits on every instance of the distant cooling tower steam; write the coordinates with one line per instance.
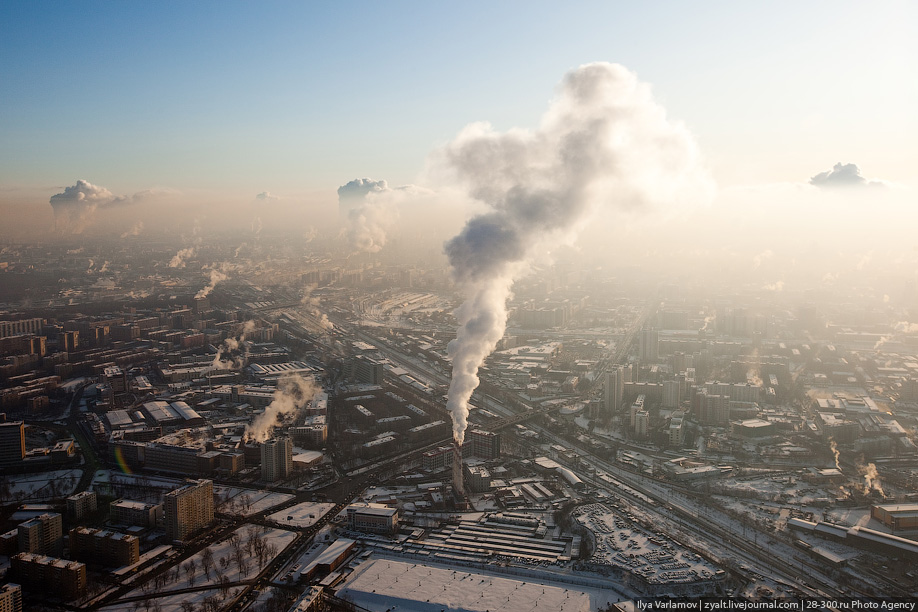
(602, 142)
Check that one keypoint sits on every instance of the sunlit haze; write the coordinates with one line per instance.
(467, 306)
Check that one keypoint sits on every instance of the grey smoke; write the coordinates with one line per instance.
(843, 175)
(604, 142)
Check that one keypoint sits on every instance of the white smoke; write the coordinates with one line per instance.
(761, 257)
(92, 264)
(834, 447)
(238, 249)
(75, 207)
(371, 208)
(257, 226)
(871, 479)
(134, 231)
(776, 287)
(906, 327)
(293, 393)
(104, 268)
(865, 261)
(229, 347)
(883, 340)
(603, 141)
(312, 304)
(178, 260)
(216, 276)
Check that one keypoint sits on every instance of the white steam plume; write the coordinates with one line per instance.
(216, 276)
(603, 141)
(834, 447)
(134, 231)
(370, 209)
(906, 327)
(104, 268)
(229, 347)
(178, 260)
(293, 393)
(871, 479)
(92, 264)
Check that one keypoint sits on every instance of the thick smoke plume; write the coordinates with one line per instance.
(292, 394)
(605, 142)
(216, 276)
(837, 455)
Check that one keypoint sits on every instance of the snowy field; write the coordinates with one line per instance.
(39, 487)
(246, 502)
(241, 556)
(383, 584)
(301, 515)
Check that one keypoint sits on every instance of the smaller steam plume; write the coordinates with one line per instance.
(293, 393)
(134, 231)
(906, 327)
(843, 176)
(871, 479)
(92, 264)
(312, 303)
(216, 276)
(229, 356)
(178, 260)
(834, 447)
(104, 268)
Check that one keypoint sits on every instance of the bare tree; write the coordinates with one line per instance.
(207, 561)
(191, 569)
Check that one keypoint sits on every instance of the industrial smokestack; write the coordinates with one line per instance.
(458, 484)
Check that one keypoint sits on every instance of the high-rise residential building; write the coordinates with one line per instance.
(10, 598)
(677, 429)
(276, 459)
(189, 509)
(20, 327)
(636, 407)
(672, 393)
(106, 548)
(66, 579)
(485, 444)
(642, 424)
(12, 442)
(82, 504)
(613, 390)
(43, 535)
(649, 346)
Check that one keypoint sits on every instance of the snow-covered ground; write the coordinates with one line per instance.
(39, 487)
(301, 515)
(384, 584)
(241, 556)
(169, 603)
(246, 502)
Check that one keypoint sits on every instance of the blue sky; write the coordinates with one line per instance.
(239, 97)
